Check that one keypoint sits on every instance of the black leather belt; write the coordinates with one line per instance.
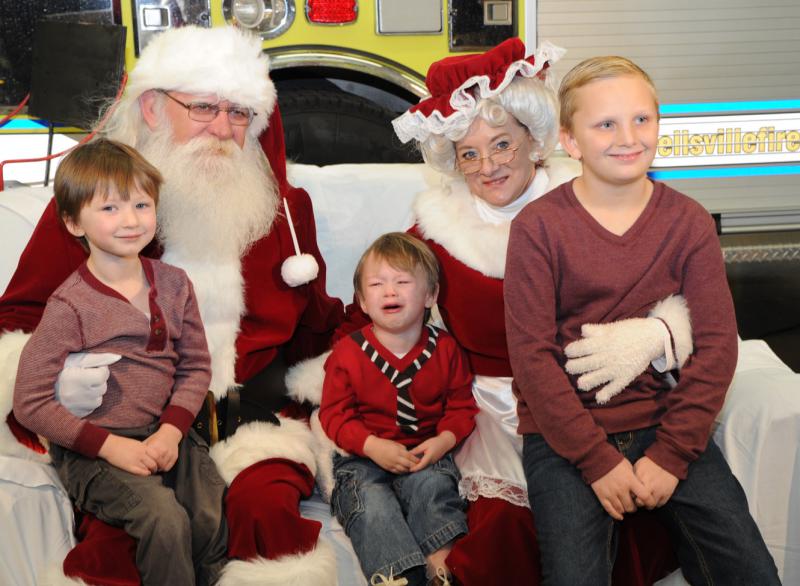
(259, 399)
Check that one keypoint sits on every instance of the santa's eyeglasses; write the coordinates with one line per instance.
(204, 112)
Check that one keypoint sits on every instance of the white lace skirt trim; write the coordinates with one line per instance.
(490, 459)
(493, 488)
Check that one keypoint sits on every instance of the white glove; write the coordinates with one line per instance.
(82, 383)
(615, 353)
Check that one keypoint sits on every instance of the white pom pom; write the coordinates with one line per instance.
(299, 269)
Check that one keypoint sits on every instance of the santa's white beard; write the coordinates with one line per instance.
(216, 200)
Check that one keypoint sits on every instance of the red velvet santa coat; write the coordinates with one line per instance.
(471, 304)
(272, 315)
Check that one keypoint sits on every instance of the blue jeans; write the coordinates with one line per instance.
(715, 538)
(395, 521)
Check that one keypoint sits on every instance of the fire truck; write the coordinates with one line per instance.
(343, 69)
(726, 71)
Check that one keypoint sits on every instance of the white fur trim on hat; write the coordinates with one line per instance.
(304, 379)
(465, 98)
(258, 441)
(11, 345)
(224, 61)
(314, 568)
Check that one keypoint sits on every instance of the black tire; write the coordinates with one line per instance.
(329, 126)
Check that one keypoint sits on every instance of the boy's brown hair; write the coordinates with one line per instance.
(403, 252)
(97, 167)
(591, 70)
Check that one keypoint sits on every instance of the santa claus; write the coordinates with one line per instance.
(200, 106)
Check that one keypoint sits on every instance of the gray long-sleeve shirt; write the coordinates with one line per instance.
(163, 374)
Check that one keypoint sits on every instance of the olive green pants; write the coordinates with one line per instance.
(176, 517)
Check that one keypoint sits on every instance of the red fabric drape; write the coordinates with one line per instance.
(501, 548)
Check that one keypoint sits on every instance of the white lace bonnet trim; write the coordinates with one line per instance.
(417, 126)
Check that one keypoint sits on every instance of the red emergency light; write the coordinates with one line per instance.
(331, 11)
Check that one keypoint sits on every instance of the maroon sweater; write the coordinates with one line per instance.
(358, 400)
(163, 374)
(564, 270)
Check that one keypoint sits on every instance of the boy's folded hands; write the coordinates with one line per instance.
(394, 457)
(431, 450)
(627, 487)
(159, 452)
(389, 455)
(658, 481)
(128, 454)
(620, 490)
(163, 446)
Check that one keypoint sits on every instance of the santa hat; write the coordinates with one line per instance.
(457, 84)
(225, 61)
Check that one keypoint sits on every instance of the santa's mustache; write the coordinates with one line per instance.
(217, 198)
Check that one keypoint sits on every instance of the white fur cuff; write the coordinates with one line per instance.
(325, 450)
(11, 345)
(258, 441)
(316, 567)
(675, 312)
(304, 380)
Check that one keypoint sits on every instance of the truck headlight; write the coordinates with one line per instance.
(248, 13)
(269, 18)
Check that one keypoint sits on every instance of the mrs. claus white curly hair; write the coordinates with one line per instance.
(528, 99)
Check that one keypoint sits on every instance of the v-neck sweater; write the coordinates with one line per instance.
(358, 400)
(564, 270)
(163, 374)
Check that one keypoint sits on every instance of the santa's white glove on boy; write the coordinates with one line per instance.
(616, 353)
(83, 381)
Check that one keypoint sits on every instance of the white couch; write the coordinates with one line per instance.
(758, 428)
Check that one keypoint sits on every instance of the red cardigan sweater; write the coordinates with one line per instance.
(358, 400)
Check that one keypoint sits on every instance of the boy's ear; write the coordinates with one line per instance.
(147, 102)
(72, 227)
(569, 144)
(430, 300)
(361, 303)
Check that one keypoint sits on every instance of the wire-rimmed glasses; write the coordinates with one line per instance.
(498, 157)
(205, 112)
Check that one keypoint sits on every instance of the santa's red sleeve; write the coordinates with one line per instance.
(51, 255)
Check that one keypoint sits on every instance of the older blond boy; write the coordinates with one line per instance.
(605, 247)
